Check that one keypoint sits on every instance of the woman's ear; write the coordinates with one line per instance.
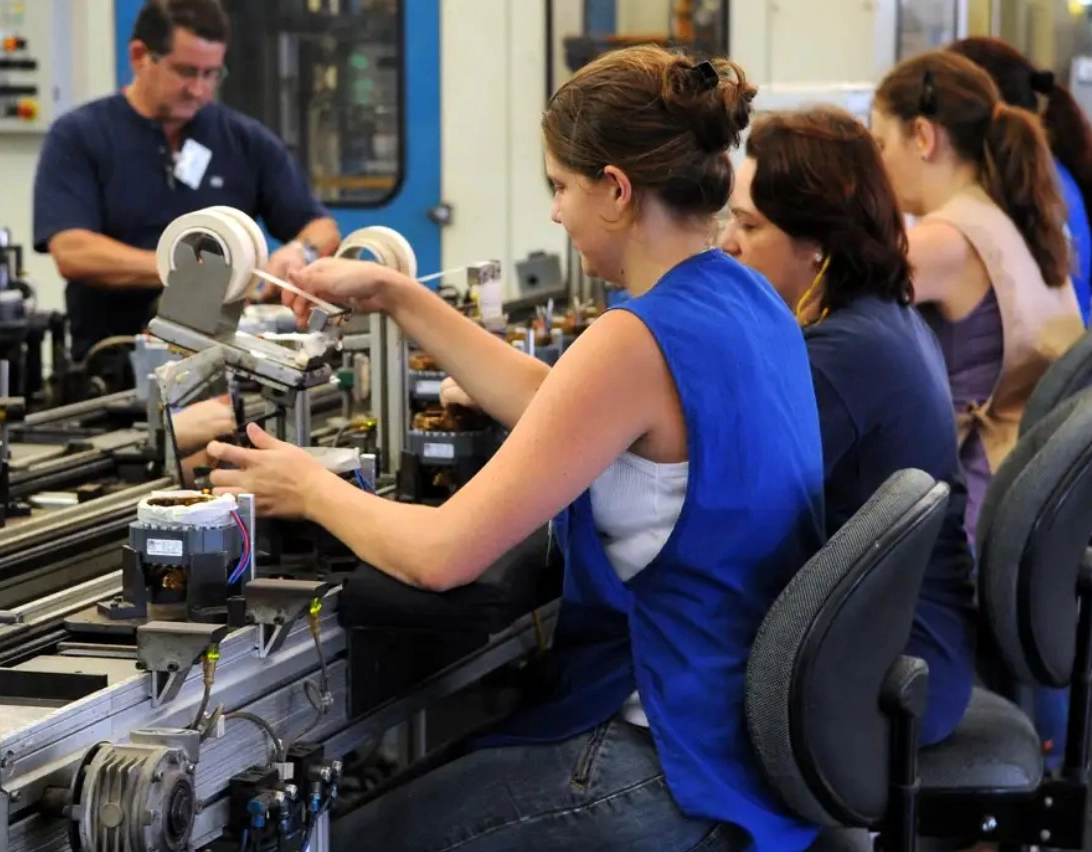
(924, 136)
(620, 187)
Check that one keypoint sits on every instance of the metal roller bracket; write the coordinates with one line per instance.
(195, 294)
(167, 650)
(275, 605)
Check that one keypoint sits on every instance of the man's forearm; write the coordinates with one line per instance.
(87, 256)
(323, 234)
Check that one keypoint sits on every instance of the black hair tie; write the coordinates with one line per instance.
(706, 76)
(927, 103)
(1042, 82)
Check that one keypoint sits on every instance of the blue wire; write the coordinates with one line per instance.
(362, 482)
(240, 569)
(244, 560)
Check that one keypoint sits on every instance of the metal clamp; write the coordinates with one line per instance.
(169, 649)
(275, 605)
(322, 319)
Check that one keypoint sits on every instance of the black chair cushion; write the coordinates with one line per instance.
(995, 747)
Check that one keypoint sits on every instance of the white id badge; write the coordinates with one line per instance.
(192, 162)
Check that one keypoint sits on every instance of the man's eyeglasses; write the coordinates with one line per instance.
(216, 76)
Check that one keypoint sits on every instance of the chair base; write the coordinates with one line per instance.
(985, 783)
(1053, 815)
(842, 840)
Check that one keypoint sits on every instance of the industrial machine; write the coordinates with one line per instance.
(31, 337)
(200, 683)
(25, 331)
(446, 445)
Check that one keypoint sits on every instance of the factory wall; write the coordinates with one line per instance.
(93, 60)
(494, 90)
(492, 164)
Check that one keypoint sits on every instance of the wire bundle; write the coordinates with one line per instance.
(247, 554)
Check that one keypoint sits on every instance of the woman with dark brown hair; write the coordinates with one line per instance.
(675, 446)
(813, 211)
(1023, 85)
(990, 256)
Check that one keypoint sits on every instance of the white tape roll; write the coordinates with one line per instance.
(386, 245)
(261, 247)
(233, 240)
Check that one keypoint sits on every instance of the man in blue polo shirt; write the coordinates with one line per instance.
(116, 171)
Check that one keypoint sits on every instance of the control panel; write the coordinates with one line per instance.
(36, 65)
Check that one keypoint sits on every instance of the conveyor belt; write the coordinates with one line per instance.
(41, 625)
(65, 534)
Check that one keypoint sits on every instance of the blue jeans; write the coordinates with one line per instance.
(602, 790)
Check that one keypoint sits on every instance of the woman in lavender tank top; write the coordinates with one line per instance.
(989, 253)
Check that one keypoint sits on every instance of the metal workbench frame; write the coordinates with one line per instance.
(46, 752)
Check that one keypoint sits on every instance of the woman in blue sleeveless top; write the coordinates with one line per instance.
(676, 444)
(1023, 85)
(813, 210)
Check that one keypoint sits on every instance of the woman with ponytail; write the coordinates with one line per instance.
(1022, 85)
(989, 251)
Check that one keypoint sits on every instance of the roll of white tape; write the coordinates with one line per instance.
(386, 245)
(219, 231)
(261, 247)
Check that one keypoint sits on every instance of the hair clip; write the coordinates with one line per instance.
(705, 75)
(1042, 82)
(928, 106)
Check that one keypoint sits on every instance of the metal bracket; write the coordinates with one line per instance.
(320, 319)
(169, 649)
(186, 740)
(195, 295)
(184, 381)
(275, 605)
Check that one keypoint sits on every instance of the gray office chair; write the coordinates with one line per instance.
(1068, 375)
(831, 704)
(985, 782)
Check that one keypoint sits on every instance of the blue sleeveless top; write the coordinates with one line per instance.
(680, 631)
(1080, 237)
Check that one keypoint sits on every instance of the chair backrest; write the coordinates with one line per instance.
(820, 658)
(1068, 375)
(1034, 526)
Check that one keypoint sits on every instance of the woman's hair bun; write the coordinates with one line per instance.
(716, 108)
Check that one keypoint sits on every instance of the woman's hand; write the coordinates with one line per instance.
(360, 284)
(281, 476)
(195, 425)
(452, 394)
